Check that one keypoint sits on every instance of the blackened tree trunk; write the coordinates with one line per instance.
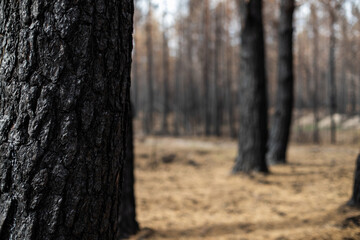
(332, 83)
(355, 199)
(253, 96)
(128, 224)
(314, 22)
(135, 65)
(166, 78)
(64, 84)
(217, 69)
(280, 131)
(206, 68)
(148, 118)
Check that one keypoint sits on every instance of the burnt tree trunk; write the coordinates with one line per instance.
(128, 223)
(148, 118)
(332, 83)
(206, 68)
(166, 79)
(355, 199)
(314, 20)
(218, 78)
(64, 92)
(253, 94)
(280, 131)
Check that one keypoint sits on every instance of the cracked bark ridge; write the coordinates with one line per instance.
(64, 97)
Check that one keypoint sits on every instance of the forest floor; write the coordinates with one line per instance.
(184, 190)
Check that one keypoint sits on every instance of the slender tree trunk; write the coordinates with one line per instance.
(218, 78)
(128, 223)
(280, 131)
(316, 137)
(253, 96)
(206, 63)
(148, 118)
(229, 74)
(178, 70)
(166, 73)
(332, 82)
(64, 93)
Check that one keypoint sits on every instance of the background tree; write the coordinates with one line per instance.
(253, 97)
(64, 84)
(148, 119)
(280, 131)
(315, 74)
(332, 6)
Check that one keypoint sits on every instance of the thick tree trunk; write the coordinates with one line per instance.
(253, 96)
(280, 131)
(355, 199)
(128, 223)
(64, 85)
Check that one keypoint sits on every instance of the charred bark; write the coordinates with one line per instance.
(148, 118)
(280, 131)
(128, 224)
(355, 199)
(64, 94)
(314, 19)
(166, 78)
(253, 132)
(206, 69)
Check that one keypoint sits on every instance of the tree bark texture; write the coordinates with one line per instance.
(253, 132)
(128, 224)
(280, 131)
(64, 95)
(355, 199)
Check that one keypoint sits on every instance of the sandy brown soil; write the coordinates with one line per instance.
(191, 195)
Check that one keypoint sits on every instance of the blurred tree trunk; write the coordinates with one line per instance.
(218, 78)
(166, 79)
(148, 118)
(280, 131)
(229, 73)
(332, 6)
(315, 23)
(332, 82)
(178, 70)
(253, 132)
(206, 69)
(63, 120)
(128, 223)
(190, 94)
(355, 199)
